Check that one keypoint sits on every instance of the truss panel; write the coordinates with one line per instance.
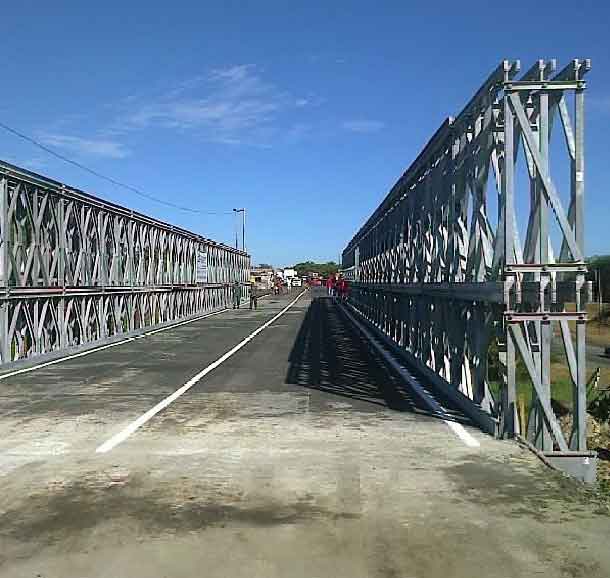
(449, 281)
(76, 269)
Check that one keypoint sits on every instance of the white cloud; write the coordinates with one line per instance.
(228, 105)
(363, 126)
(34, 163)
(91, 147)
(310, 100)
(298, 131)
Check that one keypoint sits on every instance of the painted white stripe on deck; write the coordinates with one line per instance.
(102, 347)
(433, 405)
(460, 431)
(135, 425)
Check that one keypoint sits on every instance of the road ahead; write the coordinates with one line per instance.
(299, 455)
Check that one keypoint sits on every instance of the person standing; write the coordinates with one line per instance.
(343, 288)
(253, 297)
(236, 295)
(330, 285)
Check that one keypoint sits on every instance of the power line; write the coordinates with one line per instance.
(131, 188)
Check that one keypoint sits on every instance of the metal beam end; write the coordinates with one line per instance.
(579, 465)
(510, 69)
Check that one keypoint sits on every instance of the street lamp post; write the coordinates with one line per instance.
(235, 227)
(599, 296)
(243, 228)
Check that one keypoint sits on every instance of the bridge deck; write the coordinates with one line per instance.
(301, 455)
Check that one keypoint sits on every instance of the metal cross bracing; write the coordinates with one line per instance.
(76, 269)
(454, 284)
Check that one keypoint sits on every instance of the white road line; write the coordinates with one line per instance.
(101, 348)
(133, 426)
(460, 431)
(433, 405)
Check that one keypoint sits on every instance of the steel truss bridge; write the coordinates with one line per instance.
(454, 285)
(76, 269)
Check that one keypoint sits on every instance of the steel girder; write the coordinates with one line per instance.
(445, 281)
(76, 269)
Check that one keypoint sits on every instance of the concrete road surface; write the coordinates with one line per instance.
(297, 455)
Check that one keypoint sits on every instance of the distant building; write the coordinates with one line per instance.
(262, 278)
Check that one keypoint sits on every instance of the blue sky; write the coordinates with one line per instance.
(303, 112)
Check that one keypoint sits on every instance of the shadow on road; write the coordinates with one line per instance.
(330, 356)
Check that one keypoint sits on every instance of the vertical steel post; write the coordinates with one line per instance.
(510, 396)
(545, 329)
(61, 272)
(580, 410)
(5, 233)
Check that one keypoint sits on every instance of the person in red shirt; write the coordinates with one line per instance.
(343, 288)
(330, 285)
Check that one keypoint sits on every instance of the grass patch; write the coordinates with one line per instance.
(561, 381)
(598, 326)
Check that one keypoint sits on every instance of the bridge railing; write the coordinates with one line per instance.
(462, 289)
(76, 269)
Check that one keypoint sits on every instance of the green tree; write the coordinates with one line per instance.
(323, 269)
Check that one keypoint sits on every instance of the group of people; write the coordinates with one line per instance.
(237, 295)
(337, 286)
(279, 286)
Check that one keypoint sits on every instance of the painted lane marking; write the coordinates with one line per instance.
(138, 423)
(433, 405)
(459, 430)
(101, 348)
